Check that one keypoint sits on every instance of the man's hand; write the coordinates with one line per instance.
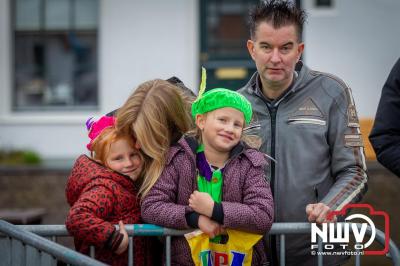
(209, 227)
(317, 212)
(202, 203)
(125, 241)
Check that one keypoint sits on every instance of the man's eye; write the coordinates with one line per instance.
(285, 49)
(265, 47)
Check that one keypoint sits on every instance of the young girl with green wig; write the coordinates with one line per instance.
(212, 180)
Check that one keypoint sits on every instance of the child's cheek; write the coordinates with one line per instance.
(139, 163)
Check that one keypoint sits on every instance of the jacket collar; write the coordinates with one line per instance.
(302, 79)
(190, 143)
(193, 144)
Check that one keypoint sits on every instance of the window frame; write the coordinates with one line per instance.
(42, 32)
(320, 11)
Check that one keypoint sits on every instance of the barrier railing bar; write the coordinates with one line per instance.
(358, 259)
(130, 252)
(40, 256)
(24, 254)
(10, 254)
(58, 251)
(131, 247)
(153, 230)
(320, 258)
(92, 252)
(282, 250)
(168, 251)
(394, 252)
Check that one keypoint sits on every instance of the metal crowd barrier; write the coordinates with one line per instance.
(54, 231)
(21, 247)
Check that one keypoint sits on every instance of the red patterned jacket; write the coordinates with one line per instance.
(100, 198)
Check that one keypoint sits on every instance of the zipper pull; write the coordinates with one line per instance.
(316, 193)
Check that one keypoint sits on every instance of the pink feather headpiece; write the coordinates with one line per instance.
(96, 127)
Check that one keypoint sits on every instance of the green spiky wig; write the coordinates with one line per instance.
(220, 98)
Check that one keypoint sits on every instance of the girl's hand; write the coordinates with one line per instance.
(202, 203)
(125, 241)
(209, 227)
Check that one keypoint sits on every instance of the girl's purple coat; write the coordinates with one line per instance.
(247, 200)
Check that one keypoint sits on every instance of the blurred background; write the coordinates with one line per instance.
(63, 61)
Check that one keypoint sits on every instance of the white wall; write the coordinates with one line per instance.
(138, 40)
(359, 41)
(4, 58)
(144, 40)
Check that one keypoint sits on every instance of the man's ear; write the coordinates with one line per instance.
(200, 121)
(300, 50)
(250, 47)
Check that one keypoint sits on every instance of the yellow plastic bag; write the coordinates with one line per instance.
(237, 251)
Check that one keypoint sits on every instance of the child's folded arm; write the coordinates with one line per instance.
(218, 213)
(192, 219)
(157, 210)
(256, 210)
(159, 207)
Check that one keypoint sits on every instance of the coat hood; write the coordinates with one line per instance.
(87, 171)
(301, 81)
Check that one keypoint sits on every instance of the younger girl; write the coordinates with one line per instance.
(233, 193)
(102, 191)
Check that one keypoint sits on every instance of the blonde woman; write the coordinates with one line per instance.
(156, 114)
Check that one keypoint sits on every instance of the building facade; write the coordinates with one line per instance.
(63, 61)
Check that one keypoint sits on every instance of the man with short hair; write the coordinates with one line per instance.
(309, 125)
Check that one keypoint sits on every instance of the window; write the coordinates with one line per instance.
(224, 33)
(224, 28)
(323, 3)
(55, 54)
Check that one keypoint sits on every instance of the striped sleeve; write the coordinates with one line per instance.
(348, 165)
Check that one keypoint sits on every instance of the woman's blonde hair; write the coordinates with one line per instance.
(156, 114)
